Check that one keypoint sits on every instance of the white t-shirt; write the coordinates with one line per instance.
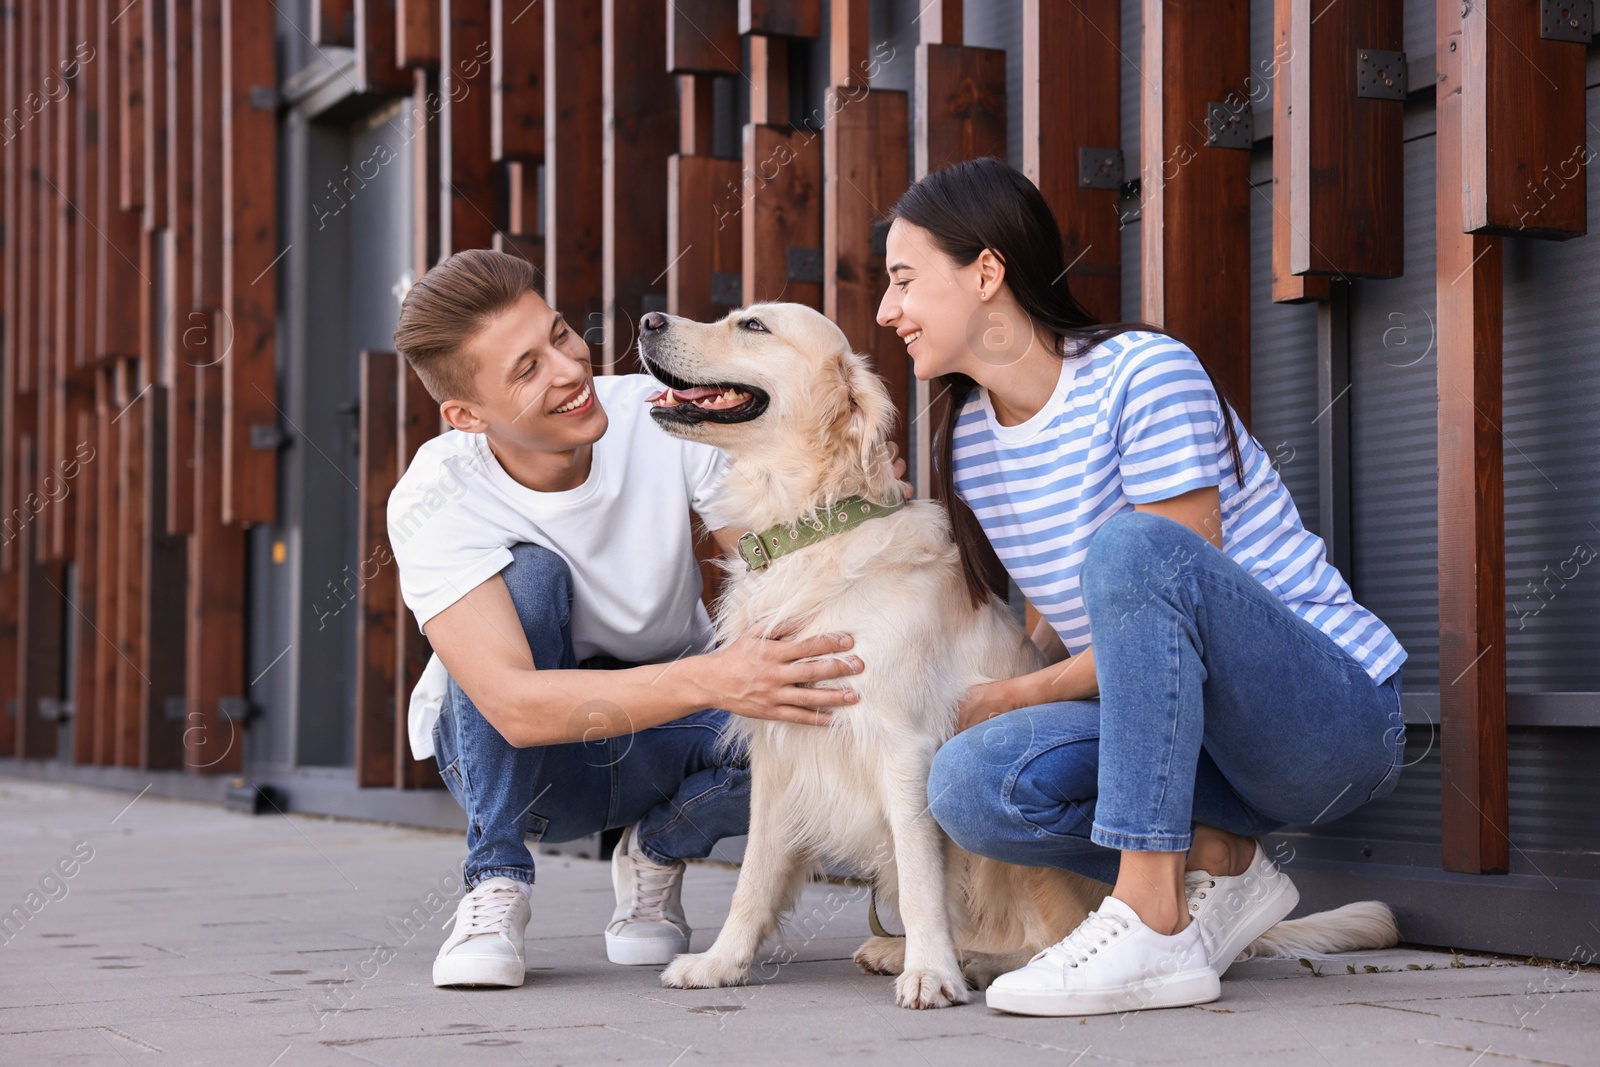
(625, 533)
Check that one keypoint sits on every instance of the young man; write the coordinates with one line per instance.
(545, 547)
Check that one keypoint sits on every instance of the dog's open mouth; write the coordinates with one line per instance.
(688, 402)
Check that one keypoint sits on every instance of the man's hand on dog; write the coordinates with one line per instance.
(769, 676)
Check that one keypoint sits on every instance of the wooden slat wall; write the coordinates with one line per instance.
(1472, 582)
(184, 325)
(416, 422)
(466, 171)
(1287, 287)
(780, 212)
(516, 129)
(572, 160)
(378, 588)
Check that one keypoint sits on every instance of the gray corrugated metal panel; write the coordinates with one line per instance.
(1551, 394)
(1258, 87)
(893, 22)
(1551, 781)
(1523, 914)
(1394, 460)
(1283, 363)
(1418, 20)
(998, 24)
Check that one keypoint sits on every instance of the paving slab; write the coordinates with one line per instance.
(189, 934)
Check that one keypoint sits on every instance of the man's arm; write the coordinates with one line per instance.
(480, 641)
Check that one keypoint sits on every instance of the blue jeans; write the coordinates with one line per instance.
(675, 780)
(1218, 705)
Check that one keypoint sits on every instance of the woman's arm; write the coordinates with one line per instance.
(1198, 509)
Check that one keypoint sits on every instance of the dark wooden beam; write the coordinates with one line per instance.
(781, 215)
(162, 558)
(333, 22)
(573, 117)
(12, 266)
(703, 36)
(378, 69)
(1472, 584)
(696, 115)
(781, 18)
(1524, 148)
(187, 329)
(417, 33)
(867, 166)
(769, 81)
(378, 591)
(249, 279)
(517, 74)
(1072, 103)
(131, 681)
(704, 236)
(425, 169)
(1287, 287)
(206, 286)
(1195, 219)
(466, 170)
(640, 127)
(41, 601)
(417, 422)
(108, 560)
(129, 27)
(1347, 196)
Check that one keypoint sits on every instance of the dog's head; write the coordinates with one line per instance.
(777, 387)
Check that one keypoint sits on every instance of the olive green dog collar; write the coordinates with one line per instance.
(760, 549)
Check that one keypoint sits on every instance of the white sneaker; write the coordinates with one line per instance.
(1111, 963)
(648, 926)
(1233, 911)
(485, 948)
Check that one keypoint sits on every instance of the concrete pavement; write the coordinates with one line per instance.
(170, 931)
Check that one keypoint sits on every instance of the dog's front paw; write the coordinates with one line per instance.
(882, 955)
(701, 970)
(931, 989)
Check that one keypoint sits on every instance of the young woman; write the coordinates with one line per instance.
(1221, 682)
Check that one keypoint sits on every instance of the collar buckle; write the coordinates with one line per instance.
(750, 547)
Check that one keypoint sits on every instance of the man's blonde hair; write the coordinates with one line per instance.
(449, 304)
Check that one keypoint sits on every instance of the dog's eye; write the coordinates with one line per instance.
(754, 324)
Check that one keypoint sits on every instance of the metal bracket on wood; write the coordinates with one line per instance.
(235, 709)
(264, 97)
(175, 708)
(1380, 75)
(266, 438)
(727, 289)
(1099, 168)
(1566, 20)
(54, 709)
(1229, 125)
(805, 265)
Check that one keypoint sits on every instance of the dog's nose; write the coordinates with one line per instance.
(653, 320)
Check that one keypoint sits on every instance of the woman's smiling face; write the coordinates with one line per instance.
(930, 302)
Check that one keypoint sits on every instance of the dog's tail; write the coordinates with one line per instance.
(1366, 924)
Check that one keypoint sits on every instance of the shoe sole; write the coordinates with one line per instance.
(1178, 991)
(1267, 913)
(478, 971)
(631, 952)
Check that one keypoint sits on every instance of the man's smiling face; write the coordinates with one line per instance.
(533, 380)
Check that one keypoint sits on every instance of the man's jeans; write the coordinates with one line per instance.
(1218, 705)
(674, 780)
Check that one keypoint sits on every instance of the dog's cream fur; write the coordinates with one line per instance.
(855, 792)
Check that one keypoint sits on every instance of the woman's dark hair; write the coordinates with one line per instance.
(985, 203)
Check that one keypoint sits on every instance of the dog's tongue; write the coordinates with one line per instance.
(699, 392)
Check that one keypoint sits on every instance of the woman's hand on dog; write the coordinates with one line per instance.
(769, 676)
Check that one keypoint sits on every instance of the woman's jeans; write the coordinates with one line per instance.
(1218, 705)
(674, 780)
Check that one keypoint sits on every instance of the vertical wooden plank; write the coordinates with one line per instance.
(703, 36)
(162, 558)
(769, 81)
(206, 287)
(1287, 287)
(641, 130)
(517, 75)
(572, 158)
(250, 235)
(118, 284)
(696, 114)
(781, 18)
(466, 97)
(89, 65)
(1196, 196)
(417, 33)
(417, 421)
(1347, 198)
(1525, 151)
(333, 22)
(1472, 610)
(129, 26)
(781, 220)
(866, 155)
(187, 330)
(41, 600)
(377, 53)
(215, 657)
(11, 312)
(1072, 102)
(129, 576)
(91, 647)
(378, 593)
(704, 236)
(48, 217)
(425, 170)
(108, 557)
(154, 111)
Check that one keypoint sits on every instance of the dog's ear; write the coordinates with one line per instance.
(872, 416)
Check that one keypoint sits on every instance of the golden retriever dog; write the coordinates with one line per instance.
(806, 425)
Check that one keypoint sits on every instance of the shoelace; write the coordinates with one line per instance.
(651, 883)
(488, 909)
(1195, 884)
(1092, 934)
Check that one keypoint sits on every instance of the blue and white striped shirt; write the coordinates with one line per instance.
(1134, 420)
